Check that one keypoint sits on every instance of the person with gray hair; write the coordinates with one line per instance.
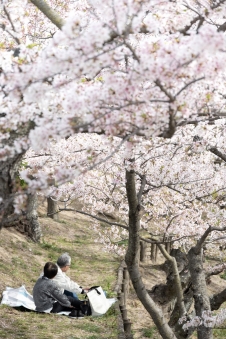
(64, 260)
(64, 283)
(49, 299)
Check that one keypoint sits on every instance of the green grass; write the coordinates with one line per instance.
(37, 252)
(90, 327)
(18, 262)
(148, 332)
(90, 266)
(62, 221)
(219, 333)
(122, 242)
(48, 246)
(4, 267)
(223, 275)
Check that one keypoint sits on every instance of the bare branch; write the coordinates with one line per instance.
(90, 215)
(99, 219)
(158, 83)
(216, 270)
(217, 300)
(188, 84)
(186, 28)
(218, 4)
(215, 151)
(201, 241)
(222, 28)
(113, 152)
(13, 27)
(15, 38)
(168, 226)
(50, 13)
(154, 241)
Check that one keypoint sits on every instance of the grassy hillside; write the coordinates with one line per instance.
(21, 262)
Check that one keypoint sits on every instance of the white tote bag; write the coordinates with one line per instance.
(98, 302)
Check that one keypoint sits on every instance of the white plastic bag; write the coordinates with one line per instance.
(98, 302)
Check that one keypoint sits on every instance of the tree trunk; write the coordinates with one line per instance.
(154, 252)
(52, 209)
(168, 244)
(9, 184)
(143, 251)
(34, 228)
(52, 205)
(132, 260)
(8, 174)
(202, 302)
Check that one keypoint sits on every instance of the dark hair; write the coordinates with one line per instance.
(50, 270)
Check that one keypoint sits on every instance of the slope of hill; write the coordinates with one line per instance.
(21, 262)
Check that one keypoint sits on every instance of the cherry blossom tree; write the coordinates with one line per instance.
(173, 201)
(176, 202)
(121, 69)
(115, 68)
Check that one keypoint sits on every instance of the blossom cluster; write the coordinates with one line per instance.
(182, 197)
(119, 69)
(113, 69)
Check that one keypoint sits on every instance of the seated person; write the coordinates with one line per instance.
(48, 297)
(64, 283)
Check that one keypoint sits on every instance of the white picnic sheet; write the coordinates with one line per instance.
(16, 297)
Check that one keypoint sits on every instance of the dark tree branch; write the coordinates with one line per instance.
(50, 13)
(169, 224)
(222, 28)
(188, 84)
(165, 241)
(220, 155)
(90, 215)
(94, 217)
(200, 242)
(13, 27)
(186, 28)
(220, 2)
(217, 300)
(216, 270)
(164, 90)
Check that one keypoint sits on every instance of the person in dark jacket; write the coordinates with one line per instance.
(48, 298)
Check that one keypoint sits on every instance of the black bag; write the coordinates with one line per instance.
(85, 304)
(85, 307)
(93, 287)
